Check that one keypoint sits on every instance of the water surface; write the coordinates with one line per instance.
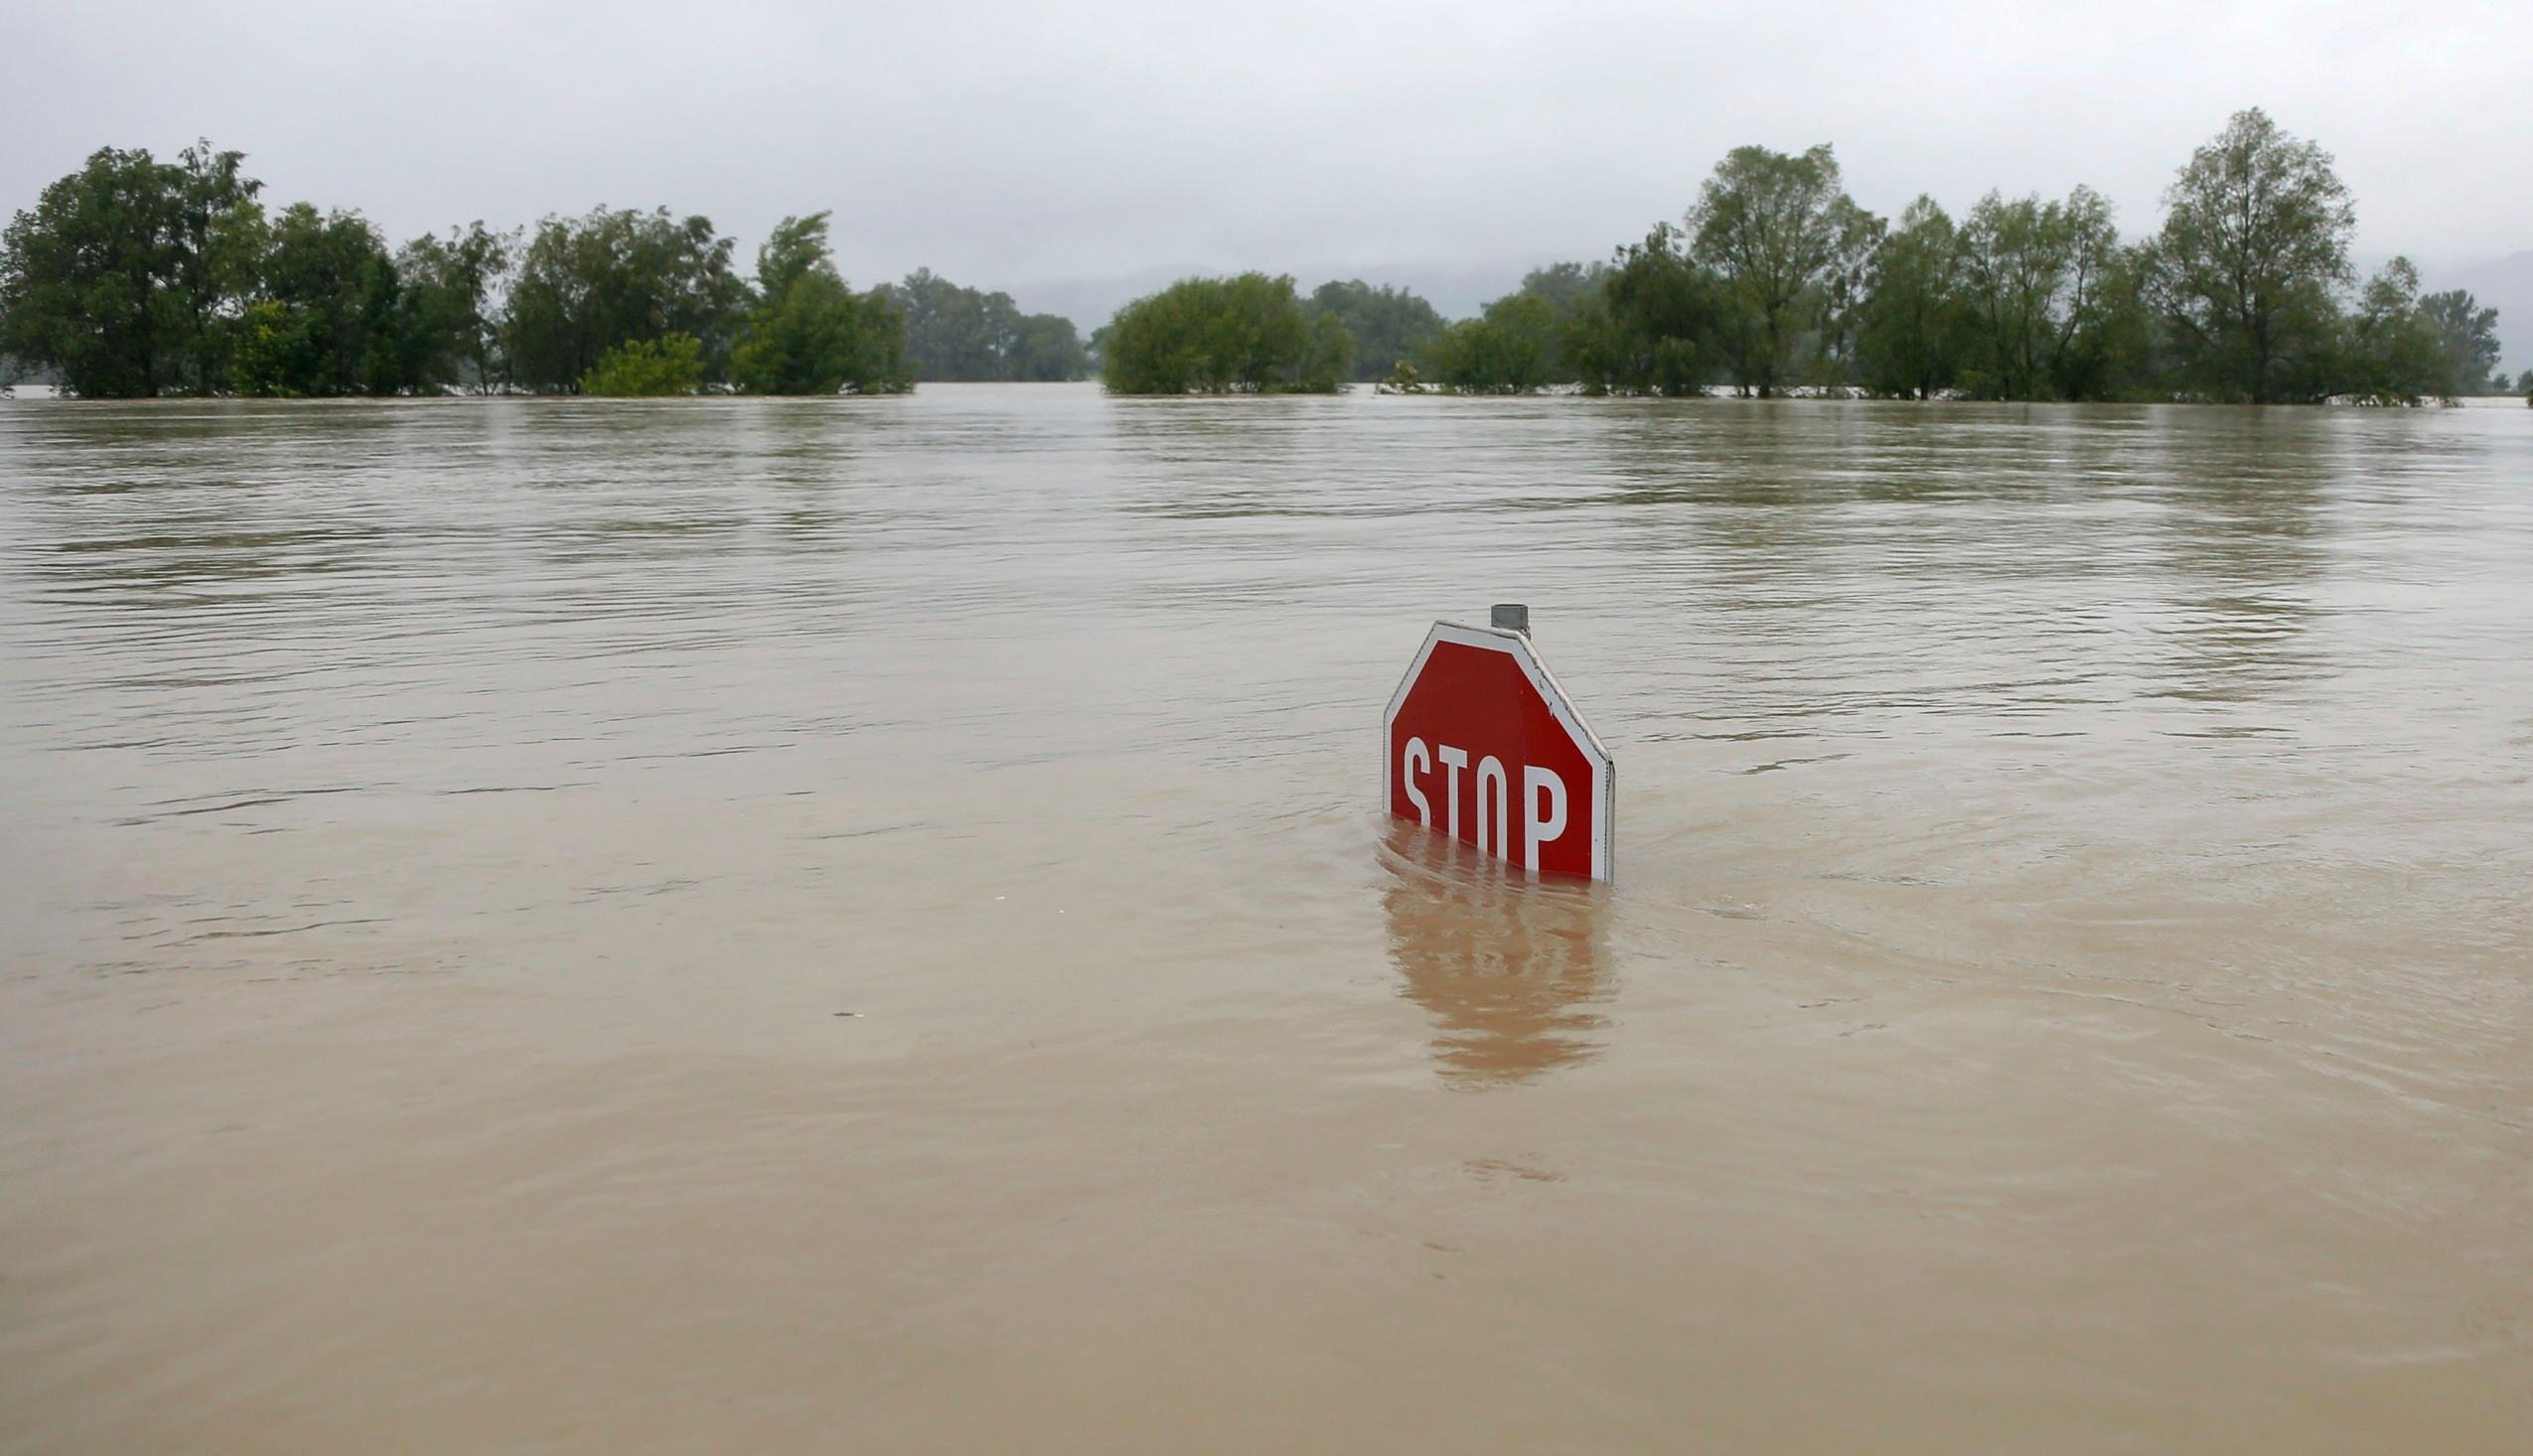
(741, 925)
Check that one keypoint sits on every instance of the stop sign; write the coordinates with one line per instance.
(1481, 744)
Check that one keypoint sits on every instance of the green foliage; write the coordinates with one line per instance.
(1510, 348)
(1916, 331)
(960, 333)
(136, 277)
(2254, 248)
(1648, 326)
(1774, 228)
(451, 285)
(115, 278)
(808, 332)
(2469, 335)
(1388, 325)
(647, 369)
(1225, 335)
(588, 284)
(332, 316)
(1522, 340)
(2393, 351)
(275, 351)
(2047, 302)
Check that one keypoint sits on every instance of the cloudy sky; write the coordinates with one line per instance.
(1072, 154)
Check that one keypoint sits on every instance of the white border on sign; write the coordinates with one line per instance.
(1516, 647)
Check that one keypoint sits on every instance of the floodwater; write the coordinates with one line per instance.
(862, 926)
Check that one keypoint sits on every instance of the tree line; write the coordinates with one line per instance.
(134, 277)
(1775, 280)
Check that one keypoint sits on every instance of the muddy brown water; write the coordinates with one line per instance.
(2068, 983)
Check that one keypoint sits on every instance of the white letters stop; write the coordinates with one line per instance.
(1542, 798)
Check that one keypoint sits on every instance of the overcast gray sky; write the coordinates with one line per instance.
(1069, 152)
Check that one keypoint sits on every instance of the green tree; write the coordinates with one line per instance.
(961, 334)
(2012, 265)
(1855, 254)
(1221, 335)
(1917, 322)
(647, 369)
(2469, 334)
(1386, 323)
(1648, 327)
(2254, 248)
(330, 314)
(1510, 349)
(452, 285)
(211, 258)
(811, 334)
(1770, 226)
(2393, 351)
(590, 283)
(2050, 305)
(113, 278)
(1564, 287)
(1046, 348)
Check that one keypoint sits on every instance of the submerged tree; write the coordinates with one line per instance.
(590, 283)
(2254, 248)
(328, 314)
(1510, 349)
(118, 278)
(1386, 323)
(962, 334)
(2469, 336)
(1526, 340)
(647, 369)
(455, 284)
(1771, 228)
(810, 334)
(1246, 334)
(1650, 326)
(2048, 298)
(2392, 351)
(1918, 323)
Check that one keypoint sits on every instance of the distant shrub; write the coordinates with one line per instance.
(647, 369)
(1248, 335)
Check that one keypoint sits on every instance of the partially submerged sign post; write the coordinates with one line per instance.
(1481, 744)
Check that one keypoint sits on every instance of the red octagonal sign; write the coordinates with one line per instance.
(1481, 744)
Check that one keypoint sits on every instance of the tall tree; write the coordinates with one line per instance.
(115, 278)
(1858, 237)
(1386, 323)
(2254, 248)
(2469, 335)
(591, 283)
(2048, 302)
(811, 334)
(1650, 328)
(1510, 349)
(1769, 225)
(214, 195)
(2393, 351)
(454, 285)
(962, 334)
(1916, 321)
(1224, 335)
(329, 317)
